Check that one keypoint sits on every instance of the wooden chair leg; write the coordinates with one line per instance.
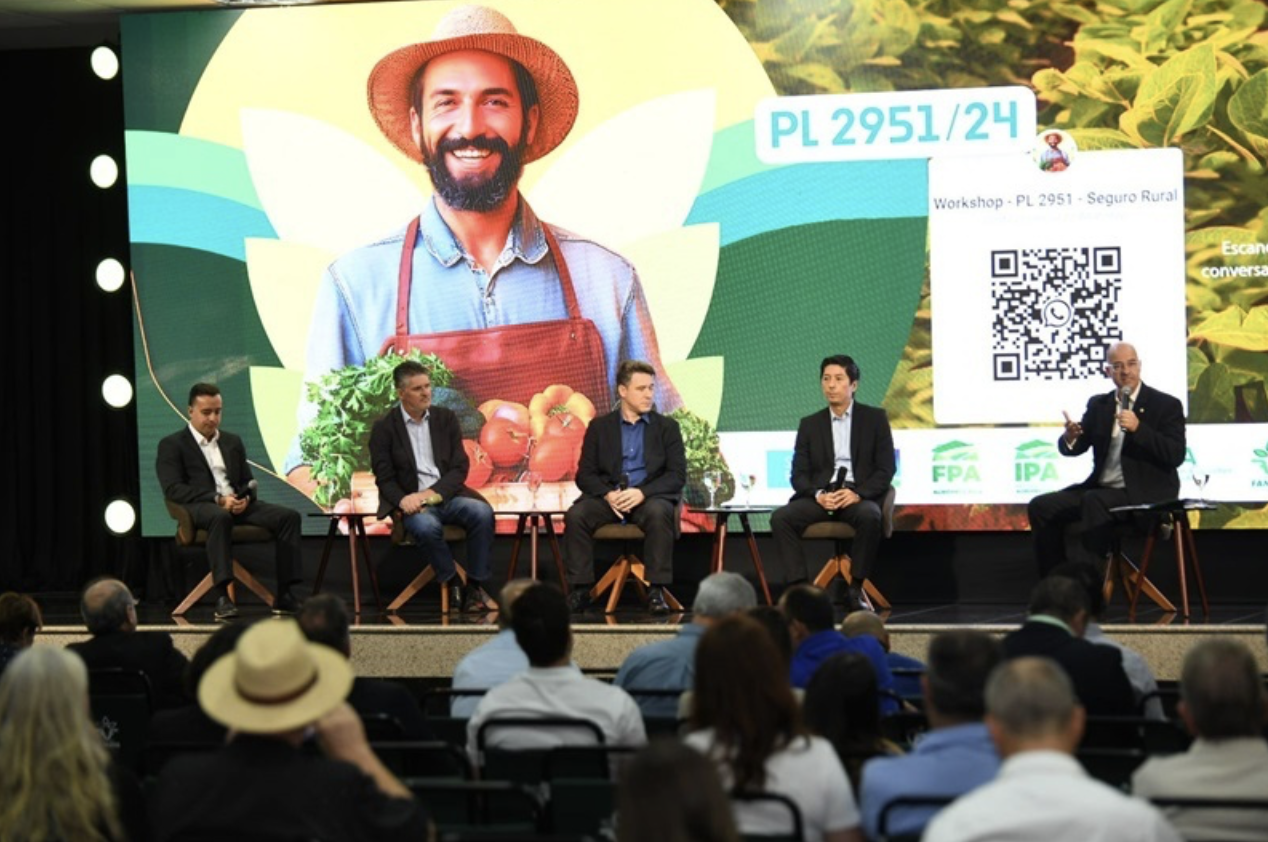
(873, 595)
(830, 571)
(200, 590)
(614, 579)
(244, 576)
(420, 581)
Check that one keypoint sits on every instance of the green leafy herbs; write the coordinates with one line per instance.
(704, 453)
(349, 400)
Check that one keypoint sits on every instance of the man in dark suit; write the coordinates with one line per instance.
(109, 611)
(1137, 439)
(633, 468)
(843, 463)
(420, 467)
(205, 469)
(1054, 629)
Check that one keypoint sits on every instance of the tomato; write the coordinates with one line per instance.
(564, 426)
(481, 465)
(505, 441)
(554, 459)
(509, 410)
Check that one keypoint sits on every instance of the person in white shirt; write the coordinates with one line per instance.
(495, 662)
(1041, 791)
(1222, 703)
(745, 718)
(552, 687)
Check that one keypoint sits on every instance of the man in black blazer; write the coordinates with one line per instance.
(205, 469)
(846, 436)
(633, 468)
(420, 467)
(109, 612)
(1137, 439)
(1058, 618)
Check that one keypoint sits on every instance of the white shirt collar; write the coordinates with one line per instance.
(204, 442)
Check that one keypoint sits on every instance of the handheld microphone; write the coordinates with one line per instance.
(839, 482)
(251, 489)
(621, 485)
(1124, 404)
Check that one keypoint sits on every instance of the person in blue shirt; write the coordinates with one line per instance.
(815, 639)
(473, 105)
(907, 682)
(493, 663)
(671, 664)
(957, 753)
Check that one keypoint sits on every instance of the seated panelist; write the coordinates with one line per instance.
(1137, 438)
(843, 464)
(633, 468)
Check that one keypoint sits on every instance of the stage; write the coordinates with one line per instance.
(423, 645)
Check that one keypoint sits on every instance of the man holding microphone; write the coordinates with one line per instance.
(1136, 435)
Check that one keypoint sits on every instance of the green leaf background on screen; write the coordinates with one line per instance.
(704, 453)
(349, 400)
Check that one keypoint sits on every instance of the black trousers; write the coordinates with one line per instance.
(1089, 508)
(656, 517)
(281, 521)
(788, 522)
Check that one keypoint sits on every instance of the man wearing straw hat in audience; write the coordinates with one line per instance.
(275, 692)
(510, 303)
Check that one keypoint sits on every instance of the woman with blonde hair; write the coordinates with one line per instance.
(56, 778)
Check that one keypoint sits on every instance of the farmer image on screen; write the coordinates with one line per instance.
(509, 303)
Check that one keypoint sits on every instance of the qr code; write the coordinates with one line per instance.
(1055, 311)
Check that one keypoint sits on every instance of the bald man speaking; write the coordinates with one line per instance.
(1136, 435)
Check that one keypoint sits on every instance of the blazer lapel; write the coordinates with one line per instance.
(402, 438)
(826, 446)
(194, 454)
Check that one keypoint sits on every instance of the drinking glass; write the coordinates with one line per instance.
(534, 481)
(711, 480)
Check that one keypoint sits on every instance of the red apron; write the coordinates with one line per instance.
(512, 362)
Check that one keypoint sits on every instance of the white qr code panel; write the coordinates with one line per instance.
(1034, 274)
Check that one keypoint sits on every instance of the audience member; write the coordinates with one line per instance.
(956, 755)
(744, 717)
(494, 663)
(109, 611)
(1139, 675)
(670, 664)
(683, 786)
(273, 691)
(907, 682)
(810, 622)
(1222, 704)
(1041, 791)
(57, 783)
(20, 619)
(1058, 616)
(189, 723)
(552, 686)
(775, 623)
(840, 706)
(324, 619)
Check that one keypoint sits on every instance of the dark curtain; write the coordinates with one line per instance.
(66, 452)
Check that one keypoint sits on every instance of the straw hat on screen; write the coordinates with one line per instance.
(274, 681)
(474, 28)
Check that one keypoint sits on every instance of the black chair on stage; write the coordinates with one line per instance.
(841, 534)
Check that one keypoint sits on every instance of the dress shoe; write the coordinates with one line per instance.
(285, 603)
(579, 598)
(854, 599)
(225, 609)
(456, 595)
(477, 599)
(656, 603)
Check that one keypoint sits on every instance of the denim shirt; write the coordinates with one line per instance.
(355, 310)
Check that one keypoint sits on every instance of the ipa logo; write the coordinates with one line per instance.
(1035, 462)
(955, 462)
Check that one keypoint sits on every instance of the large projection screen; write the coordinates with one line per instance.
(785, 180)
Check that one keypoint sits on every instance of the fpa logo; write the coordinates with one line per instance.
(1261, 459)
(954, 462)
(1035, 462)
